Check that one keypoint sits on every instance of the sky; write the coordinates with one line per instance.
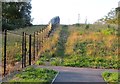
(68, 10)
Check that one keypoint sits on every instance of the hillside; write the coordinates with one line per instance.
(93, 46)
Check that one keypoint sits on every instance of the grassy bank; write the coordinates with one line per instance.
(34, 75)
(95, 46)
(14, 45)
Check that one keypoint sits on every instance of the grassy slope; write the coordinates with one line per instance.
(81, 46)
(94, 47)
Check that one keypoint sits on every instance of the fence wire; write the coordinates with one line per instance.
(21, 50)
(13, 52)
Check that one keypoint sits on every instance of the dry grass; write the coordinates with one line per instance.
(14, 45)
(72, 39)
(96, 41)
(51, 42)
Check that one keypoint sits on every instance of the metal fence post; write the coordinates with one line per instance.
(38, 40)
(34, 48)
(5, 41)
(23, 50)
(37, 43)
(29, 49)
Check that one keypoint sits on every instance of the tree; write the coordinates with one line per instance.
(16, 15)
(110, 18)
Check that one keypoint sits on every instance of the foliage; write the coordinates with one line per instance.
(18, 57)
(80, 48)
(95, 47)
(110, 18)
(15, 15)
(87, 26)
(56, 61)
(36, 75)
(89, 61)
(108, 31)
(39, 62)
(98, 62)
(111, 77)
(43, 58)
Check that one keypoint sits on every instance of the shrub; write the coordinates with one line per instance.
(87, 26)
(108, 31)
(56, 61)
(18, 57)
(110, 77)
(39, 62)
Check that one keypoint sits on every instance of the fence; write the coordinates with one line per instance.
(21, 50)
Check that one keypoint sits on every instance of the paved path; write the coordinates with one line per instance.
(75, 75)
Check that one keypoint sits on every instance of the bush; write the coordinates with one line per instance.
(108, 31)
(87, 26)
(110, 77)
(56, 61)
(18, 57)
(39, 62)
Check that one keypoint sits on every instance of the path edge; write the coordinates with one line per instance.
(55, 77)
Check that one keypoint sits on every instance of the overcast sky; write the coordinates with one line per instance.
(68, 10)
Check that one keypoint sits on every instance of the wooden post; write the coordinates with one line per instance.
(29, 49)
(5, 41)
(23, 50)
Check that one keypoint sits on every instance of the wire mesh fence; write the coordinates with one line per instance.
(11, 52)
(21, 50)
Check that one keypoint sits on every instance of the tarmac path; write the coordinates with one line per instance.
(72, 75)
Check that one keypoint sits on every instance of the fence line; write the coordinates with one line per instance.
(29, 48)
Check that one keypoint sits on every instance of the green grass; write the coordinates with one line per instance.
(34, 75)
(94, 47)
(92, 62)
(81, 61)
(111, 77)
(14, 42)
(28, 30)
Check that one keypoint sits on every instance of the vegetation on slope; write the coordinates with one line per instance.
(35, 75)
(95, 47)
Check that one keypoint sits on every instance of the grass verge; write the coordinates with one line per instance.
(34, 75)
(111, 77)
